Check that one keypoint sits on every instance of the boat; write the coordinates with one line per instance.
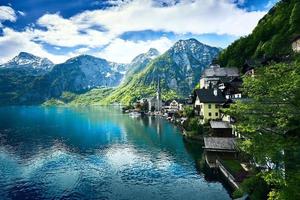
(134, 114)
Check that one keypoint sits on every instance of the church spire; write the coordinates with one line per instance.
(158, 95)
(158, 92)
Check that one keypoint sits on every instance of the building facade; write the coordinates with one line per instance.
(214, 74)
(155, 103)
(208, 102)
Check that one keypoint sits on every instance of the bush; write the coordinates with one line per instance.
(193, 125)
(67, 97)
(189, 112)
(255, 187)
(237, 193)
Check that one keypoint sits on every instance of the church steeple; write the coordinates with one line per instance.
(158, 92)
(158, 95)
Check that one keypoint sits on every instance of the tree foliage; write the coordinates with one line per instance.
(269, 120)
(271, 38)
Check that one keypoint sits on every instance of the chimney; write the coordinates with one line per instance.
(215, 91)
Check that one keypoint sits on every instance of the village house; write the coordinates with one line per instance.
(218, 149)
(175, 105)
(221, 128)
(207, 103)
(214, 74)
(232, 89)
(215, 147)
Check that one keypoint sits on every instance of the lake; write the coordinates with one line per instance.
(97, 153)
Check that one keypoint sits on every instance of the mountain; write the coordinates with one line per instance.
(17, 75)
(178, 69)
(119, 67)
(31, 63)
(271, 40)
(77, 75)
(140, 62)
(28, 79)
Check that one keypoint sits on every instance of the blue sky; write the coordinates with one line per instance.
(118, 30)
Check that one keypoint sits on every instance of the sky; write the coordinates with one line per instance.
(119, 30)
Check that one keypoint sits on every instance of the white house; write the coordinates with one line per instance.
(214, 74)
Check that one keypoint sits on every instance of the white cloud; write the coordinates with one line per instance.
(123, 51)
(82, 50)
(7, 14)
(101, 28)
(197, 17)
(14, 42)
(65, 33)
(270, 4)
(21, 13)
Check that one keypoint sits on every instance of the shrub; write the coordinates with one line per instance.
(188, 112)
(193, 125)
(256, 187)
(237, 193)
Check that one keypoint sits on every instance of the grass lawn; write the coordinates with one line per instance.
(233, 165)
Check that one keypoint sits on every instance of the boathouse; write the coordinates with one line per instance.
(221, 128)
(222, 147)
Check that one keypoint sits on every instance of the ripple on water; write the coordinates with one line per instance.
(49, 153)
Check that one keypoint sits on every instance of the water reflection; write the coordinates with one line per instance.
(96, 153)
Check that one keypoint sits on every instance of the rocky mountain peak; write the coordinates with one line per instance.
(27, 60)
(152, 52)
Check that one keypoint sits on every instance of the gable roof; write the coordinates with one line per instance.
(207, 96)
(219, 144)
(217, 71)
(220, 124)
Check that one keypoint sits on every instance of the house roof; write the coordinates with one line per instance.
(219, 124)
(207, 96)
(217, 71)
(179, 101)
(219, 144)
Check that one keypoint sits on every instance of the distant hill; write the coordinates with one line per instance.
(270, 40)
(28, 79)
(178, 69)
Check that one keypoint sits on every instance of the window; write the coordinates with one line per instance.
(209, 114)
(217, 114)
(209, 106)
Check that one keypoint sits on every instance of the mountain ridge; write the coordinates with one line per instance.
(179, 70)
(29, 61)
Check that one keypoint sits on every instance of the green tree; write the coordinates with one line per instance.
(295, 19)
(269, 120)
(188, 112)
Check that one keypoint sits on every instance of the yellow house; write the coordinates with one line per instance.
(207, 103)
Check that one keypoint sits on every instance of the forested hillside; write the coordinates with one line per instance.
(270, 40)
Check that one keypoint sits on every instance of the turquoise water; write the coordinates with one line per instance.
(97, 153)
